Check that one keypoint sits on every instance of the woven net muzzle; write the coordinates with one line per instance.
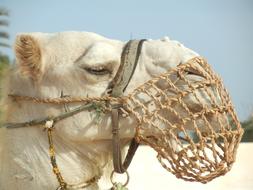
(186, 115)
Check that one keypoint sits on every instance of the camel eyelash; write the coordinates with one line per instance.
(98, 70)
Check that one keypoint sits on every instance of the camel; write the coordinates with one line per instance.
(73, 64)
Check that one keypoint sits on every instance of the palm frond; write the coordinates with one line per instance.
(4, 23)
(4, 45)
(4, 35)
(4, 12)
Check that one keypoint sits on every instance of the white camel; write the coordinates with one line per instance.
(77, 64)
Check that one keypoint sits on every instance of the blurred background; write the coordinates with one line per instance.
(221, 31)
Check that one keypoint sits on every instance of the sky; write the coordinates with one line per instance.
(219, 30)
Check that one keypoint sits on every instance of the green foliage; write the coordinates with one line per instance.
(4, 60)
(4, 63)
(248, 130)
(3, 11)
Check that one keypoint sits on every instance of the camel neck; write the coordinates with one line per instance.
(26, 153)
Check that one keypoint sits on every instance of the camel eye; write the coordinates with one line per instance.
(97, 70)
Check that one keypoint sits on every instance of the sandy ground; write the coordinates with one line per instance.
(146, 173)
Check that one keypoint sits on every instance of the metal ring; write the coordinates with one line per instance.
(111, 178)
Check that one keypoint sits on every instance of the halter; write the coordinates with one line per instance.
(129, 60)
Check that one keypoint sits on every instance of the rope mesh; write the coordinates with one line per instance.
(192, 123)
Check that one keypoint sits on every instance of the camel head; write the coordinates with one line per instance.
(80, 64)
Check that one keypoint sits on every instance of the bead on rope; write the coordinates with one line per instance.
(49, 124)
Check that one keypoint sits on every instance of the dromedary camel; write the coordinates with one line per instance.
(73, 64)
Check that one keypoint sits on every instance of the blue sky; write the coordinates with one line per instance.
(220, 30)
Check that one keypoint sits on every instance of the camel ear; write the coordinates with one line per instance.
(28, 56)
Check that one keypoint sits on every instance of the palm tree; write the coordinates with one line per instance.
(4, 23)
(4, 37)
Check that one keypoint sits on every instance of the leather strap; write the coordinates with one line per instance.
(129, 60)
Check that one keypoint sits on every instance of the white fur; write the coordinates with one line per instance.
(83, 147)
